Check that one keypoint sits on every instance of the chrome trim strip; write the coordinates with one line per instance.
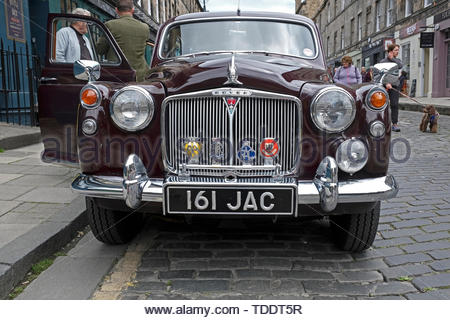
(223, 125)
(360, 190)
(199, 20)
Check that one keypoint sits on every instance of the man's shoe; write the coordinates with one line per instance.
(395, 128)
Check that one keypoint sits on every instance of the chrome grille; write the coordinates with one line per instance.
(256, 117)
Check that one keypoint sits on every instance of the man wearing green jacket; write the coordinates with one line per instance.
(131, 35)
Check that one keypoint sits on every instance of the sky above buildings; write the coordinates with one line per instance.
(287, 6)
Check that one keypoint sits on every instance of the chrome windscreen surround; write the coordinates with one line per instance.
(205, 116)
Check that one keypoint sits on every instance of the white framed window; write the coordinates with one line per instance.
(359, 27)
(408, 7)
(342, 38)
(156, 10)
(377, 16)
(329, 12)
(342, 5)
(328, 46)
(390, 13)
(427, 3)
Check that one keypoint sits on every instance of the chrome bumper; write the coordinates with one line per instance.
(325, 189)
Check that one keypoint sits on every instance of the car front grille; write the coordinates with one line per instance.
(205, 118)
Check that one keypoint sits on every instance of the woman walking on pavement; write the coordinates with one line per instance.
(394, 95)
(347, 74)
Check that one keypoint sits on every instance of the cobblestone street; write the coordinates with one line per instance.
(241, 259)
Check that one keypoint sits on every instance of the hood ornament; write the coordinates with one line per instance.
(232, 73)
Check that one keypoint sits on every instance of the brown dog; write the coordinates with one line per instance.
(430, 118)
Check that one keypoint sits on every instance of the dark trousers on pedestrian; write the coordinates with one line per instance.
(393, 99)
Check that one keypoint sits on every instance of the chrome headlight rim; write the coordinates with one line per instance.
(371, 93)
(151, 113)
(319, 95)
(99, 96)
(371, 129)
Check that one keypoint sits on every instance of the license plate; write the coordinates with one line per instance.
(201, 199)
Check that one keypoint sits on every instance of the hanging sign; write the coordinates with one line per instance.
(15, 28)
(427, 39)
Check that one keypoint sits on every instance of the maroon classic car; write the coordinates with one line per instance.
(237, 116)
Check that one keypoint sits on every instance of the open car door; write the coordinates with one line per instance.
(59, 90)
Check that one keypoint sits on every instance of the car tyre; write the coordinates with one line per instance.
(111, 226)
(356, 232)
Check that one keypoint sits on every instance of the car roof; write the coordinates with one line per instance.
(253, 14)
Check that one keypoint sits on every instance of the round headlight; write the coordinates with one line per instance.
(352, 155)
(132, 108)
(333, 109)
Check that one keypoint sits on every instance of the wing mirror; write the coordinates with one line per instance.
(386, 72)
(86, 70)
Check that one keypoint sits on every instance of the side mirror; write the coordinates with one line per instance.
(86, 70)
(386, 72)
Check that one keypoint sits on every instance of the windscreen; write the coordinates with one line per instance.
(239, 35)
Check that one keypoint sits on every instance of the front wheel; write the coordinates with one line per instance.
(356, 232)
(111, 226)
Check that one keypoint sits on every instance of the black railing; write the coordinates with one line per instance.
(19, 74)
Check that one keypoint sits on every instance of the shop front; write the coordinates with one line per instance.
(374, 52)
(441, 65)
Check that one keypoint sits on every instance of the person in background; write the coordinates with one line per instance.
(71, 42)
(347, 74)
(368, 77)
(403, 82)
(393, 89)
(363, 72)
(131, 36)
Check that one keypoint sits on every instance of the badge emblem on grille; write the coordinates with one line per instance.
(269, 147)
(217, 150)
(231, 103)
(193, 150)
(246, 153)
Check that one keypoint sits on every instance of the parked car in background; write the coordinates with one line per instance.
(238, 116)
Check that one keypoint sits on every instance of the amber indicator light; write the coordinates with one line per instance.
(378, 99)
(89, 97)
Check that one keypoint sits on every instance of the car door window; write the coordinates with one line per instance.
(79, 39)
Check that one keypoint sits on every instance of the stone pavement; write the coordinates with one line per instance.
(244, 259)
(38, 211)
(441, 104)
(15, 136)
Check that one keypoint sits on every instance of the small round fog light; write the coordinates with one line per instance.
(352, 155)
(89, 127)
(377, 129)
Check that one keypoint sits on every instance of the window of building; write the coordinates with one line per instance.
(359, 27)
(377, 16)
(342, 5)
(390, 13)
(335, 42)
(148, 6)
(342, 38)
(335, 7)
(406, 57)
(328, 46)
(408, 7)
(329, 12)
(156, 13)
(428, 3)
(352, 30)
(368, 11)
